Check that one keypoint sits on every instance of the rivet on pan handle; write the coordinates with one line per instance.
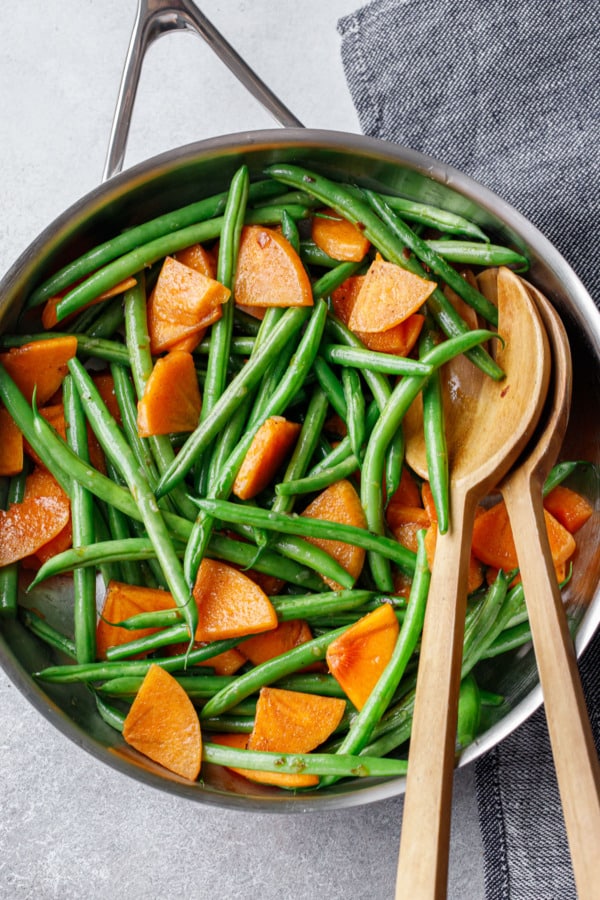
(153, 19)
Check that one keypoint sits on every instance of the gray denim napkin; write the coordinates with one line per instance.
(508, 93)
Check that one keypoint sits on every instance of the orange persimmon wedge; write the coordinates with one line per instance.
(49, 319)
(198, 258)
(398, 340)
(182, 304)
(269, 271)
(405, 522)
(388, 295)
(229, 603)
(339, 503)
(163, 724)
(171, 401)
(273, 643)
(11, 445)
(494, 545)
(42, 514)
(269, 448)
(407, 493)
(62, 541)
(225, 663)
(357, 657)
(568, 507)
(121, 601)
(338, 237)
(40, 365)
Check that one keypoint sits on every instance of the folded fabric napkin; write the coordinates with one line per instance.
(508, 93)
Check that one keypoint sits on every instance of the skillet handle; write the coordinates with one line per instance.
(153, 19)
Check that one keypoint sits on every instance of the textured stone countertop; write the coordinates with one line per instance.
(70, 828)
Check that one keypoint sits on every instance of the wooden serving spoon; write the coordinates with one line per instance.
(575, 758)
(491, 423)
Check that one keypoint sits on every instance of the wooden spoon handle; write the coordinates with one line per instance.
(575, 757)
(424, 844)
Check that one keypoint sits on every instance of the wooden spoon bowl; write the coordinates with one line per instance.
(497, 419)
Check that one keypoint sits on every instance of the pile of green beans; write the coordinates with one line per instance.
(165, 503)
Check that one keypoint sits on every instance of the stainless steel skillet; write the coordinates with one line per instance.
(200, 169)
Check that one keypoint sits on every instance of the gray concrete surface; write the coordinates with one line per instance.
(69, 827)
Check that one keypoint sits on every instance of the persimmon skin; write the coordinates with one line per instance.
(42, 514)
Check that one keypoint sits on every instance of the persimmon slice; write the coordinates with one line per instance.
(11, 447)
(269, 271)
(568, 507)
(339, 503)
(357, 657)
(40, 365)
(42, 514)
(338, 237)
(268, 450)
(388, 296)
(398, 340)
(273, 643)
(171, 401)
(494, 545)
(229, 603)
(163, 724)
(121, 601)
(184, 302)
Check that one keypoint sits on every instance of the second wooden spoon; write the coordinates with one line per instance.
(491, 427)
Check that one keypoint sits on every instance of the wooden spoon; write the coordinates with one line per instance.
(492, 424)
(575, 757)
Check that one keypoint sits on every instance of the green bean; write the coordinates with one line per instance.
(478, 254)
(387, 242)
(508, 639)
(314, 420)
(9, 574)
(383, 432)
(139, 235)
(394, 463)
(137, 549)
(47, 633)
(109, 714)
(325, 285)
(111, 351)
(309, 527)
(559, 473)
(268, 672)
(289, 230)
(229, 724)
(373, 361)
(469, 712)
(101, 671)
(124, 393)
(115, 446)
(484, 622)
(221, 331)
(364, 722)
(331, 386)
(108, 322)
(231, 398)
(297, 549)
(242, 346)
(305, 764)
(302, 606)
(138, 346)
(377, 383)
(433, 217)
(318, 482)
(433, 260)
(343, 450)
(436, 447)
(355, 405)
(312, 255)
(84, 531)
(174, 634)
